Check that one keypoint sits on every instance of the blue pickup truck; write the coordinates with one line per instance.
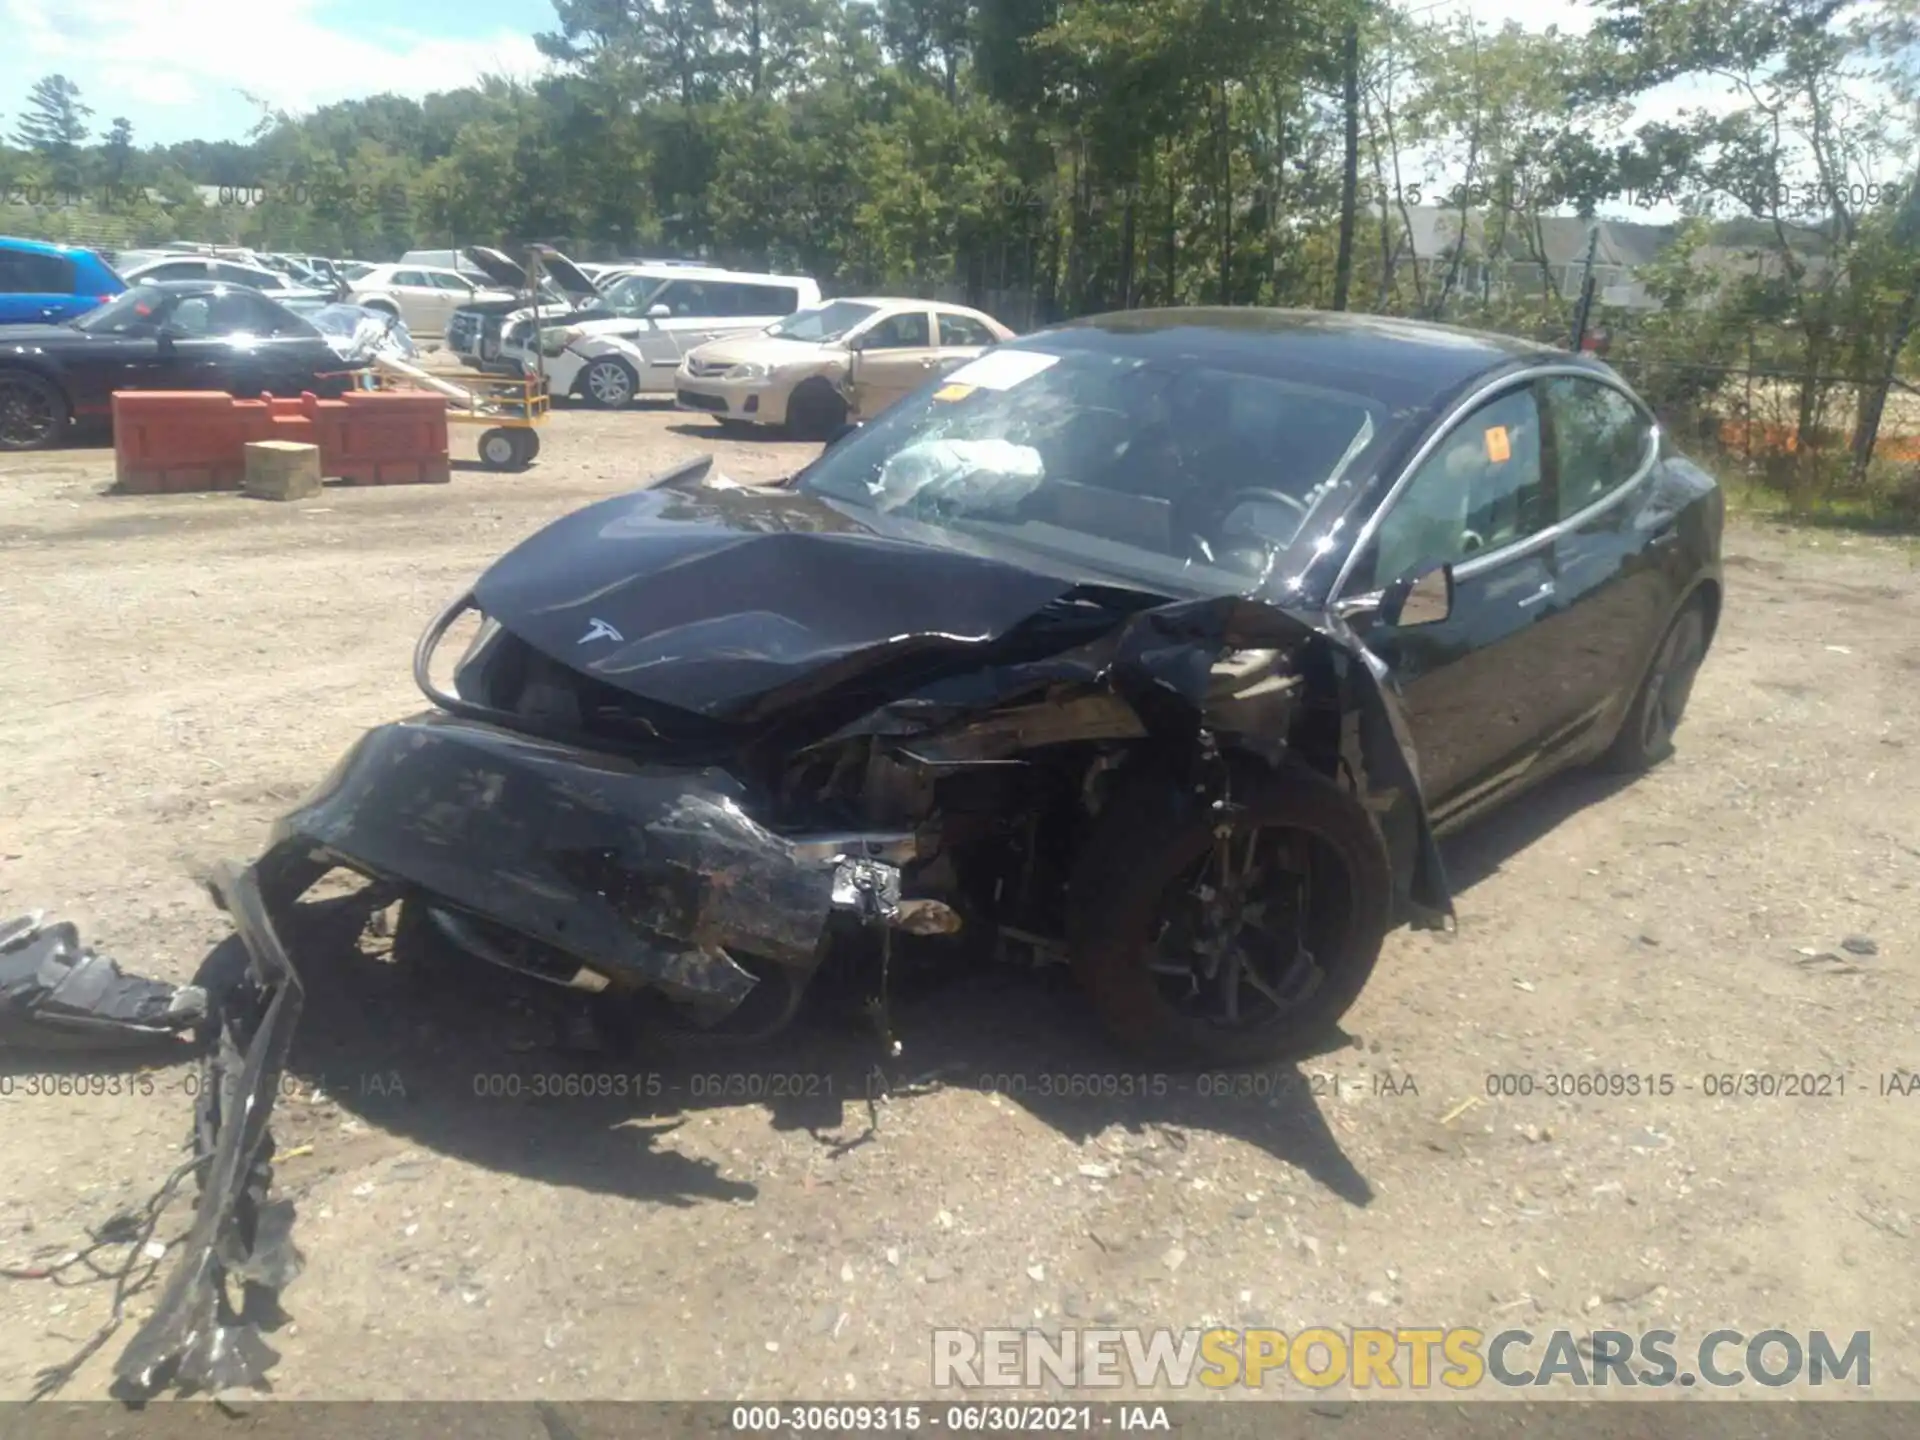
(43, 284)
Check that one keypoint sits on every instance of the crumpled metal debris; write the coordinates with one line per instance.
(198, 1336)
(58, 994)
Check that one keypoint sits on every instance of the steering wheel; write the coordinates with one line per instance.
(1293, 502)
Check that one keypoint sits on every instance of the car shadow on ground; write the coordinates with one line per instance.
(1476, 852)
(469, 1063)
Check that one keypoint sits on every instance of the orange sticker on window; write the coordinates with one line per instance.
(1499, 447)
(953, 392)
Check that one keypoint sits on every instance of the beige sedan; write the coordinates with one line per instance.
(843, 360)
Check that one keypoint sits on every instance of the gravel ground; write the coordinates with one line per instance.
(182, 668)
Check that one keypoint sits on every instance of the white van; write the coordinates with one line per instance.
(634, 340)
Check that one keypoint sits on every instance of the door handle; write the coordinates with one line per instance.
(1545, 592)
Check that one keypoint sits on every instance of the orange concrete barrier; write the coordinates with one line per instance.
(172, 441)
(389, 439)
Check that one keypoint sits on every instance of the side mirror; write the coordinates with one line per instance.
(1423, 598)
(659, 312)
(163, 339)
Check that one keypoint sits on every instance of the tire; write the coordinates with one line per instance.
(33, 412)
(1646, 733)
(815, 410)
(529, 442)
(499, 450)
(609, 384)
(1132, 877)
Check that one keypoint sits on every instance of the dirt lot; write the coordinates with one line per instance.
(180, 669)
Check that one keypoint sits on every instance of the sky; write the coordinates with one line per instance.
(176, 68)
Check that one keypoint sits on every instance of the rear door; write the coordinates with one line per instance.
(893, 355)
(1615, 590)
(1472, 684)
(37, 289)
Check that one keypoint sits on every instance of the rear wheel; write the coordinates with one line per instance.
(33, 412)
(609, 384)
(1237, 945)
(815, 411)
(1646, 735)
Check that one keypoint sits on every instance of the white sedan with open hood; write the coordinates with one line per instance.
(818, 368)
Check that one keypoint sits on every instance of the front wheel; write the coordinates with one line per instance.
(1202, 942)
(815, 411)
(33, 412)
(609, 384)
(1646, 735)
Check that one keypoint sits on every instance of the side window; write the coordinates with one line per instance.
(241, 275)
(246, 311)
(192, 317)
(412, 278)
(906, 331)
(25, 274)
(443, 281)
(1480, 490)
(178, 270)
(772, 301)
(964, 330)
(1600, 440)
(687, 299)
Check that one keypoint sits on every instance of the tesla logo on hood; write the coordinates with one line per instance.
(600, 630)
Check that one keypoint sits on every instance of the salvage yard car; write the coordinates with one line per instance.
(606, 360)
(46, 284)
(815, 368)
(477, 335)
(424, 297)
(166, 335)
(1160, 644)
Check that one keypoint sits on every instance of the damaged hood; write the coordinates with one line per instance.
(729, 602)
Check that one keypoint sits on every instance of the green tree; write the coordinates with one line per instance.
(54, 126)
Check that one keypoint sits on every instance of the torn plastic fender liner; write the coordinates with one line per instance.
(651, 873)
(1163, 666)
(196, 1337)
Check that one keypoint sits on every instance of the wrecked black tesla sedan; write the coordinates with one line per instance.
(1119, 645)
(1081, 651)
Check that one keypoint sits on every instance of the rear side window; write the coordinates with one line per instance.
(23, 273)
(964, 330)
(241, 275)
(1600, 440)
(772, 300)
(410, 277)
(178, 270)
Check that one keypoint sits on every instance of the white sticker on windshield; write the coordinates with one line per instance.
(1002, 369)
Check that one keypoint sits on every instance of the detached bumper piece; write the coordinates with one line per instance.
(651, 876)
(58, 994)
